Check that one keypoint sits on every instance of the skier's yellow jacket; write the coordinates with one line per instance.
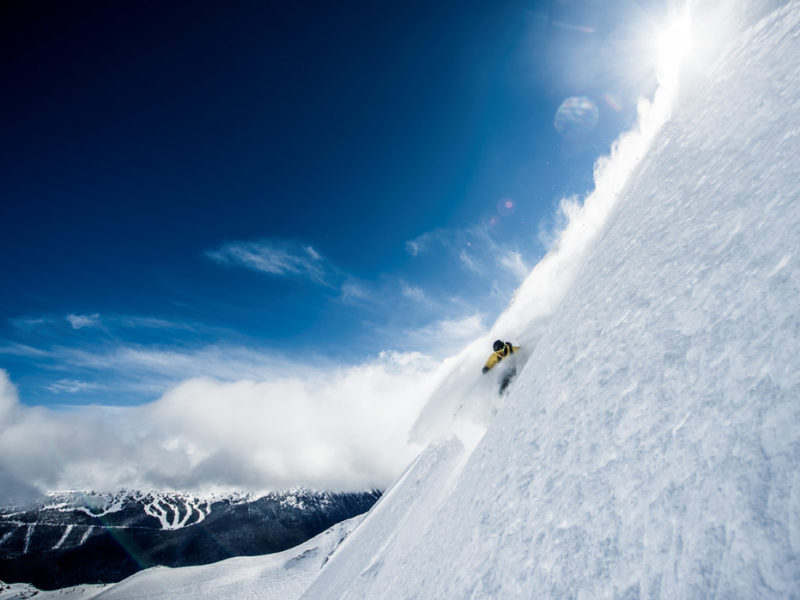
(496, 357)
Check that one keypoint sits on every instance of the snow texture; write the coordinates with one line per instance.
(23, 591)
(650, 447)
(280, 576)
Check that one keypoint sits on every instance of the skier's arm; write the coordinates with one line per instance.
(493, 360)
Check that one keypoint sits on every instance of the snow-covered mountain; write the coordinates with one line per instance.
(650, 445)
(76, 538)
(279, 576)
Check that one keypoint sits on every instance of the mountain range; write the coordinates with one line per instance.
(77, 538)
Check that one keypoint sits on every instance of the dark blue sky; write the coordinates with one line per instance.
(330, 180)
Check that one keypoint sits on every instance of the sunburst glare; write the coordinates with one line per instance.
(672, 46)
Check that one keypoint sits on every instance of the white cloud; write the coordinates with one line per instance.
(81, 321)
(30, 323)
(138, 322)
(108, 322)
(276, 257)
(312, 253)
(15, 349)
(352, 291)
(422, 243)
(469, 262)
(412, 292)
(478, 250)
(413, 247)
(9, 401)
(163, 366)
(71, 386)
(329, 428)
(447, 336)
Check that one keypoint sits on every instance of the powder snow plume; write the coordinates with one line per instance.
(527, 316)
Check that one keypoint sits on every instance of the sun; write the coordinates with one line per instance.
(672, 46)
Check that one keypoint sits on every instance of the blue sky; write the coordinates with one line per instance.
(196, 190)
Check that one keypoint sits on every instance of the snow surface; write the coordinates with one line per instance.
(23, 591)
(281, 576)
(650, 446)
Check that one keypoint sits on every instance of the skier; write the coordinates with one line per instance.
(501, 350)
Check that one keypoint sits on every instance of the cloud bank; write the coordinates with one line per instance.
(336, 429)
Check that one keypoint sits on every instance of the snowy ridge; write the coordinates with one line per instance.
(529, 314)
(72, 538)
(173, 510)
(650, 447)
(279, 576)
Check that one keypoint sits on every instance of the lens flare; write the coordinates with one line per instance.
(506, 207)
(613, 102)
(576, 118)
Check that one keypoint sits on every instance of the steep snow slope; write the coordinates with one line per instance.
(651, 445)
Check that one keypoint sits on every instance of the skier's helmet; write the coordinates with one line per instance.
(498, 345)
